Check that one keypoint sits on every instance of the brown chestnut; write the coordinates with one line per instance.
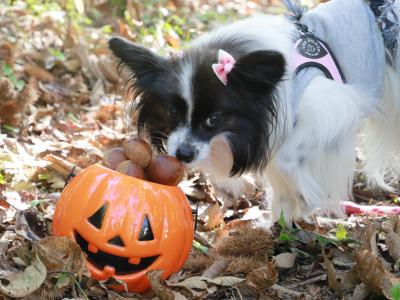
(165, 169)
(138, 151)
(127, 167)
(113, 157)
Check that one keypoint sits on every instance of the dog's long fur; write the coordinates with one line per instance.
(309, 162)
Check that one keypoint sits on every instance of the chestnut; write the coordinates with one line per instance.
(138, 151)
(113, 157)
(165, 169)
(127, 167)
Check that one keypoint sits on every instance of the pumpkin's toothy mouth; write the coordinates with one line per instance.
(119, 263)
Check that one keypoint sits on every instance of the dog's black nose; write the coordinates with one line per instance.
(185, 153)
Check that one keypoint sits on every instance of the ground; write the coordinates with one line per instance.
(62, 105)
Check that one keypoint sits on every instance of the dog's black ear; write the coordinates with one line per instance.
(145, 65)
(258, 71)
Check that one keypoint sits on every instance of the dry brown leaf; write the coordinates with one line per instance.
(225, 280)
(372, 272)
(25, 282)
(393, 244)
(194, 282)
(163, 292)
(38, 72)
(340, 281)
(200, 282)
(360, 292)
(392, 239)
(28, 225)
(62, 166)
(263, 278)
(341, 258)
(60, 254)
(215, 216)
(106, 113)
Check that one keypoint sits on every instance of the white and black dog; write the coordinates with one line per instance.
(284, 100)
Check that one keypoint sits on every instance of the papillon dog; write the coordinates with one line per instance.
(286, 100)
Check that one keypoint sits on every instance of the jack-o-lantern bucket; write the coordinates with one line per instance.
(126, 226)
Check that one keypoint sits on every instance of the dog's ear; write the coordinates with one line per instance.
(258, 71)
(145, 65)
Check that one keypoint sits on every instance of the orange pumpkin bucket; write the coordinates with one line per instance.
(126, 226)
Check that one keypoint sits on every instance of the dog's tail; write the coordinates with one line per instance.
(382, 136)
(294, 9)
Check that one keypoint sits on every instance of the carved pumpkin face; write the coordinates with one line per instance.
(125, 225)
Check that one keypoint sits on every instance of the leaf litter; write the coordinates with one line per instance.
(62, 106)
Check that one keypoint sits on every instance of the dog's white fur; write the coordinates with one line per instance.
(313, 162)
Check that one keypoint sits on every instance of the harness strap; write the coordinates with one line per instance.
(310, 51)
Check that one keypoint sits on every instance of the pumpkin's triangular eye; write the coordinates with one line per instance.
(146, 234)
(97, 218)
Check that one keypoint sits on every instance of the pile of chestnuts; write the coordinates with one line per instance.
(136, 159)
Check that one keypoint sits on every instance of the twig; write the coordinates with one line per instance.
(362, 197)
(216, 269)
(322, 277)
(199, 238)
(285, 290)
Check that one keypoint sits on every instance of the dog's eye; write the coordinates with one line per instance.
(212, 121)
(173, 113)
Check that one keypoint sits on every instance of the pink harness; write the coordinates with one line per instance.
(310, 51)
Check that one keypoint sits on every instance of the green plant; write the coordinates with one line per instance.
(341, 233)
(286, 234)
(9, 73)
(395, 291)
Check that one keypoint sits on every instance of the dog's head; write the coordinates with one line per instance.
(222, 125)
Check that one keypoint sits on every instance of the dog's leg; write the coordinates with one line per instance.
(315, 164)
(381, 144)
(282, 199)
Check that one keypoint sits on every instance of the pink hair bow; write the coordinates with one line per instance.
(225, 64)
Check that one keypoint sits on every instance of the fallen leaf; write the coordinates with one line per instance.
(215, 216)
(372, 272)
(360, 292)
(200, 282)
(27, 281)
(225, 280)
(60, 254)
(342, 258)
(341, 233)
(172, 38)
(392, 241)
(340, 281)
(29, 226)
(163, 292)
(194, 282)
(38, 73)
